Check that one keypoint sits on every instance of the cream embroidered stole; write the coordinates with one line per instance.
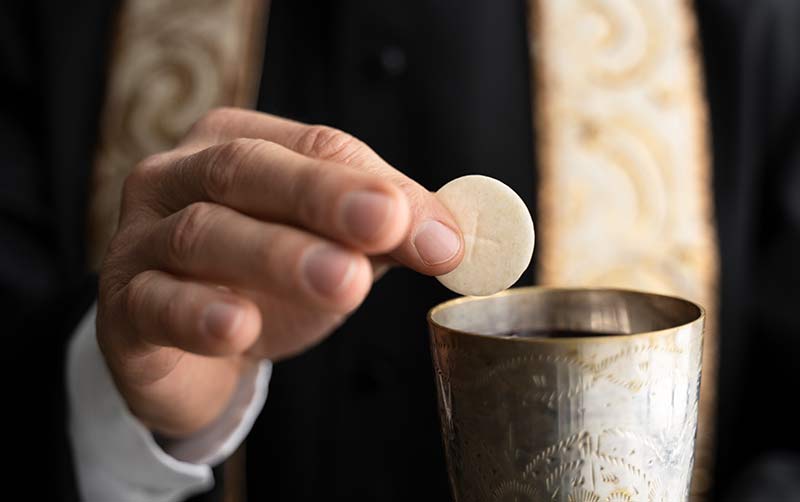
(625, 193)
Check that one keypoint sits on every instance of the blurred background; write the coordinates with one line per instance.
(439, 89)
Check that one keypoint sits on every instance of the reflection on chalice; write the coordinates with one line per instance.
(571, 395)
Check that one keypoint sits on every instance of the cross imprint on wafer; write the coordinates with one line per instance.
(498, 235)
(472, 235)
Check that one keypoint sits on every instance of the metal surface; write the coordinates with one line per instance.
(568, 419)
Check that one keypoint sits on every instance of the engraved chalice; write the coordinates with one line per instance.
(587, 417)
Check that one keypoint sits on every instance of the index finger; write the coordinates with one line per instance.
(433, 245)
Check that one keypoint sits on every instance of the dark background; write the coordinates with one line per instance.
(439, 92)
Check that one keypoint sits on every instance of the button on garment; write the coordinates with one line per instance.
(393, 61)
(356, 417)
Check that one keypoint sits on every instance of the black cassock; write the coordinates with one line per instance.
(440, 89)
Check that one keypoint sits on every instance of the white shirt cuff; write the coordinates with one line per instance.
(117, 458)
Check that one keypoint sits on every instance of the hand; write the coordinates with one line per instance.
(254, 238)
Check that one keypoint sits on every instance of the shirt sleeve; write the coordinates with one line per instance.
(117, 458)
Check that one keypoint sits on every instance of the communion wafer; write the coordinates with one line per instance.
(498, 235)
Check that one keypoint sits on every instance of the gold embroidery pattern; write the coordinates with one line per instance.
(625, 195)
(172, 62)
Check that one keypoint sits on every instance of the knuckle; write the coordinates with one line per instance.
(136, 297)
(226, 164)
(118, 265)
(213, 122)
(417, 196)
(139, 187)
(327, 143)
(112, 280)
(143, 174)
(305, 193)
(187, 232)
(153, 162)
(119, 245)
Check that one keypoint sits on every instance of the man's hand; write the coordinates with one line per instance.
(253, 239)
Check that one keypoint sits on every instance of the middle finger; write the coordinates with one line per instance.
(215, 244)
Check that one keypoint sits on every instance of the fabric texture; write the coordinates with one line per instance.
(118, 459)
(625, 197)
(439, 92)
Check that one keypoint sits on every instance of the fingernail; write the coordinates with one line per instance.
(220, 319)
(366, 213)
(328, 269)
(436, 243)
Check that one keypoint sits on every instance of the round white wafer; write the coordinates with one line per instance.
(498, 235)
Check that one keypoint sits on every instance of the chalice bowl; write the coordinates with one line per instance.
(568, 395)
